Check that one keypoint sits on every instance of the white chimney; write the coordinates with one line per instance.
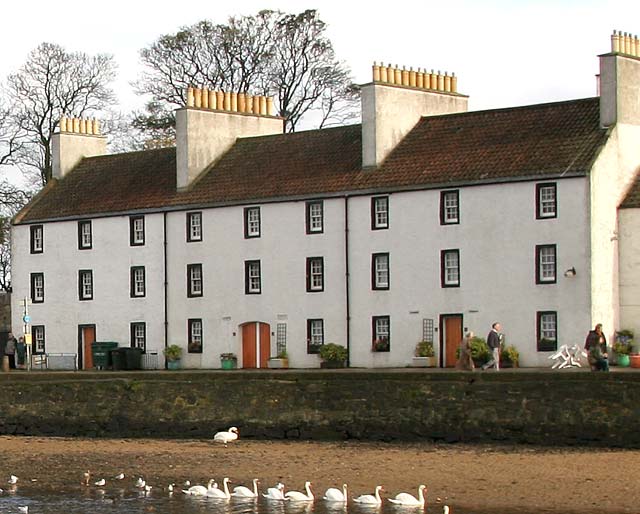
(77, 138)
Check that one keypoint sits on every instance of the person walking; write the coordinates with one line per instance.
(465, 360)
(494, 339)
(10, 350)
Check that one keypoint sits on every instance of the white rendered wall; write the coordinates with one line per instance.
(629, 252)
(111, 310)
(496, 237)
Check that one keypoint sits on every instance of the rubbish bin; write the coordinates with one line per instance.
(118, 359)
(101, 353)
(133, 357)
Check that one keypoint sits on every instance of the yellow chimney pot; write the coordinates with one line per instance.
(205, 98)
(376, 72)
(384, 77)
(447, 82)
(212, 100)
(420, 79)
(76, 125)
(83, 126)
(234, 102)
(227, 100)
(433, 80)
(256, 105)
(63, 124)
(454, 83)
(90, 127)
(412, 77)
(96, 127)
(197, 94)
(405, 76)
(269, 106)
(263, 105)
(190, 97)
(242, 99)
(397, 79)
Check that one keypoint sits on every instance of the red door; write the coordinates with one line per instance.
(451, 334)
(87, 336)
(265, 344)
(256, 340)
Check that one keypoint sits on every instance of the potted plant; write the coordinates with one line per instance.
(333, 355)
(424, 355)
(228, 360)
(380, 345)
(622, 353)
(509, 357)
(173, 354)
(280, 361)
(479, 351)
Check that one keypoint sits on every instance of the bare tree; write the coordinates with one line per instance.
(12, 199)
(54, 83)
(10, 142)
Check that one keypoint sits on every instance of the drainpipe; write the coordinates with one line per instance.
(166, 300)
(346, 276)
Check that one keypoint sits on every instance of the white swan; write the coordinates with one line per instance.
(275, 493)
(409, 499)
(244, 492)
(336, 495)
(297, 496)
(445, 509)
(216, 493)
(226, 437)
(100, 482)
(119, 477)
(198, 490)
(370, 499)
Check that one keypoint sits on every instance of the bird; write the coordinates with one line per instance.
(100, 482)
(187, 483)
(198, 490)
(336, 495)
(86, 476)
(13, 480)
(140, 483)
(445, 509)
(297, 496)
(216, 493)
(170, 488)
(119, 477)
(370, 499)
(244, 492)
(147, 489)
(226, 437)
(275, 493)
(24, 509)
(409, 499)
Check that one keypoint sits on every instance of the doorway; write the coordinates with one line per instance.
(450, 337)
(256, 341)
(86, 336)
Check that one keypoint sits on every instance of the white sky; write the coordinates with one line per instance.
(504, 53)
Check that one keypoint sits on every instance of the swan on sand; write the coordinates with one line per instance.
(226, 437)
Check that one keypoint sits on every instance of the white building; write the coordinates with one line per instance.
(424, 221)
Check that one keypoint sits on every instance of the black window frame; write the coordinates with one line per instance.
(81, 275)
(189, 218)
(190, 292)
(132, 241)
(539, 279)
(309, 228)
(443, 209)
(190, 347)
(247, 210)
(34, 340)
(374, 218)
(374, 276)
(32, 280)
(132, 282)
(313, 349)
(376, 346)
(247, 265)
(132, 331)
(539, 214)
(443, 274)
(81, 245)
(310, 261)
(547, 347)
(32, 230)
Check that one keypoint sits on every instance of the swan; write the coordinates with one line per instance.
(13, 480)
(275, 493)
(445, 509)
(140, 483)
(244, 492)
(198, 490)
(24, 510)
(226, 437)
(409, 499)
(336, 495)
(86, 476)
(216, 493)
(119, 477)
(370, 499)
(100, 482)
(297, 496)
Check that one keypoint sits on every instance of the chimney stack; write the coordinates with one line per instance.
(206, 129)
(394, 102)
(76, 139)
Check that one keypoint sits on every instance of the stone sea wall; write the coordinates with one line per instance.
(543, 407)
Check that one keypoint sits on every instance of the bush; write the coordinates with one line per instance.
(332, 352)
(173, 352)
(510, 355)
(424, 349)
(479, 350)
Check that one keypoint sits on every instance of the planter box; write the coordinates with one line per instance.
(423, 362)
(275, 363)
(173, 364)
(332, 364)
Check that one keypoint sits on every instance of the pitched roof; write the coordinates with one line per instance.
(518, 143)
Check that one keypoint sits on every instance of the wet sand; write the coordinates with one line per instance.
(493, 477)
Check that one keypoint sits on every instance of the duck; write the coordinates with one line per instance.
(244, 492)
(226, 437)
(336, 495)
(13, 480)
(275, 493)
(297, 496)
(370, 499)
(199, 490)
(100, 482)
(140, 483)
(216, 493)
(410, 500)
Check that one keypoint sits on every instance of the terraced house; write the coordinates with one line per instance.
(421, 222)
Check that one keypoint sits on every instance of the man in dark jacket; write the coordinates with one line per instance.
(493, 341)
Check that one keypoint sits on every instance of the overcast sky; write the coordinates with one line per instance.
(504, 52)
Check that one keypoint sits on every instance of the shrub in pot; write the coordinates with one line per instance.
(333, 355)
(509, 357)
(173, 354)
(479, 350)
(424, 355)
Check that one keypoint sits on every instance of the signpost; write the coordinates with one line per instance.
(26, 331)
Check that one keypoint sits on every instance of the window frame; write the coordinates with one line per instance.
(133, 292)
(81, 242)
(82, 296)
(32, 280)
(375, 335)
(375, 285)
(248, 233)
(539, 332)
(33, 229)
(247, 278)
(34, 338)
(191, 292)
(190, 216)
(314, 348)
(540, 280)
(191, 323)
(133, 339)
(374, 212)
(309, 217)
(540, 215)
(311, 288)
(132, 231)
(444, 282)
(443, 206)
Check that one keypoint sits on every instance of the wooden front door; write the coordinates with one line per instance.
(86, 336)
(450, 337)
(256, 340)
